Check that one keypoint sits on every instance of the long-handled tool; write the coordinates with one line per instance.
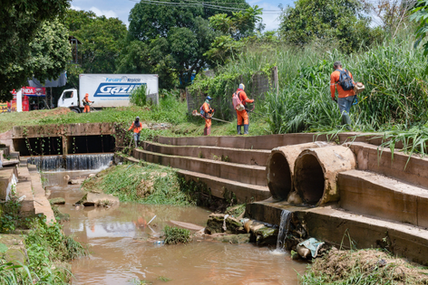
(196, 114)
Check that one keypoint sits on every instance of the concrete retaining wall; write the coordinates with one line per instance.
(249, 174)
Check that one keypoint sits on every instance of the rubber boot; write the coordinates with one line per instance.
(346, 120)
(208, 131)
(205, 131)
(238, 127)
(246, 129)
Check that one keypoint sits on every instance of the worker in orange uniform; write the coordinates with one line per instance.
(86, 103)
(242, 116)
(137, 126)
(207, 114)
(344, 82)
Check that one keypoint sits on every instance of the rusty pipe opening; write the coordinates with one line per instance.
(309, 179)
(279, 176)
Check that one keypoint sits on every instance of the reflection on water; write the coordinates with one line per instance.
(123, 249)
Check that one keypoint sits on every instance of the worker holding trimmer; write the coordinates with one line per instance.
(242, 115)
(207, 112)
(86, 102)
(136, 127)
(342, 80)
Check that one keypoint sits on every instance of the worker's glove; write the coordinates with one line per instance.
(334, 99)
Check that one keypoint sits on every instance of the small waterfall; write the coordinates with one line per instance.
(48, 162)
(88, 161)
(71, 162)
(284, 226)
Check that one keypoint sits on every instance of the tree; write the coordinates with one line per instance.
(20, 20)
(50, 51)
(420, 16)
(390, 14)
(102, 40)
(342, 21)
(235, 30)
(176, 32)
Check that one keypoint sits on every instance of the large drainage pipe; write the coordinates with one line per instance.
(280, 167)
(316, 171)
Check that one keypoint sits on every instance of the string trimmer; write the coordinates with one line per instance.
(197, 114)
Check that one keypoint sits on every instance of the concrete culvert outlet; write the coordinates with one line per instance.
(316, 173)
(280, 168)
(279, 176)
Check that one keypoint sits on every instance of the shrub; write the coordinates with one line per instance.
(174, 235)
(138, 96)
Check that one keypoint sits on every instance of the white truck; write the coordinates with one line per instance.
(108, 90)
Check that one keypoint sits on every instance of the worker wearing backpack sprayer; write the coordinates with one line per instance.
(239, 101)
(207, 112)
(342, 80)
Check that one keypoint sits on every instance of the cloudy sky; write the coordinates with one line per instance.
(120, 9)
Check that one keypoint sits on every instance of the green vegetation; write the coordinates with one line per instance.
(174, 235)
(24, 40)
(138, 96)
(149, 184)
(48, 249)
(342, 23)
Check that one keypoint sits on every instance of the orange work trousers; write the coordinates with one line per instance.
(242, 116)
(86, 109)
(207, 123)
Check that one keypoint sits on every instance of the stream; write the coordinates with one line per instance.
(124, 249)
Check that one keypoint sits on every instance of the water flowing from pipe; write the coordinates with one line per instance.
(284, 226)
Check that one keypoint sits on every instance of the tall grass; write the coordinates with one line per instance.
(395, 95)
(150, 184)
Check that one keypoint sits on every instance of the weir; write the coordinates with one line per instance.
(72, 162)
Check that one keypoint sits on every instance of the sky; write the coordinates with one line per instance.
(120, 9)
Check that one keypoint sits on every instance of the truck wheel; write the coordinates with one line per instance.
(75, 111)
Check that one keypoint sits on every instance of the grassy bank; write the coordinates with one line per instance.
(47, 249)
(363, 267)
(171, 111)
(150, 184)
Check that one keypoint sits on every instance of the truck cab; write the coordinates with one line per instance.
(69, 99)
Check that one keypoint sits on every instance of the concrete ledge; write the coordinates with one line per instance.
(376, 195)
(41, 203)
(249, 174)
(6, 175)
(24, 187)
(86, 129)
(269, 142)
(234, 155)
(269, 210)
(244, 192)
(380, 161)
(332, 225)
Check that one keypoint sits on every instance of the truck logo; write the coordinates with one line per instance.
(123, 79)
(116, 90)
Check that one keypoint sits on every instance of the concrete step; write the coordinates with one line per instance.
(6, 179)
(10, 162)
(373, 194)
(226, 154)
(248, 174)
(219, 187)
(269, 142)
(41, 203)
(24, 187)
(398, 165)
(338, 226)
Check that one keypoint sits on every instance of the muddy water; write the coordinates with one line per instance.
(123, 247)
